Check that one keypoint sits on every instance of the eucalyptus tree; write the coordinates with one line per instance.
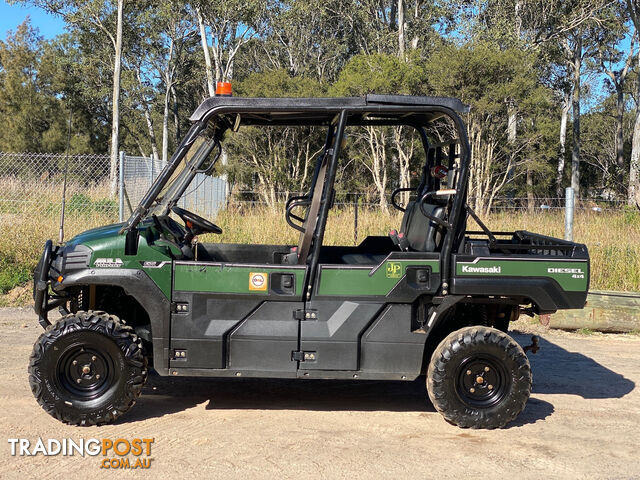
(105, 18)
(633, 195)
(380, 149)
(168, 40)
(230, 25)
(615, 61)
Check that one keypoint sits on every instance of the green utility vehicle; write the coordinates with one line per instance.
(431, 298)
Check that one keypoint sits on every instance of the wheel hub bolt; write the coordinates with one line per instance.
(479, 379)
(486, 369)
(78, 381)
(75, 362)
(98, 377)
(93, 359)
(472, 390)
(468, 372)
(490, 387)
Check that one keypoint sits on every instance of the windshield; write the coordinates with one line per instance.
(195, 161)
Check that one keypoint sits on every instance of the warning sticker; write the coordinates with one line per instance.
(258, 281)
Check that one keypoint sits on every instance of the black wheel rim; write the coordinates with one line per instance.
(482, 381)
(85, 372)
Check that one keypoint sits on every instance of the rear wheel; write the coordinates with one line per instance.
(479, 377)
(87, 369)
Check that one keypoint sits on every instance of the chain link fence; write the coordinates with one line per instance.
(205, 195)
(32, 183)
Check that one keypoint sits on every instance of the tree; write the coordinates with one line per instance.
(616, 64)
(274, 161)
(633, 196)
(486, 77)
(381, 73)
(106, 18)
(232, 24)
(27, 105)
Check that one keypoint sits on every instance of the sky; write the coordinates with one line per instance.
(13, 15)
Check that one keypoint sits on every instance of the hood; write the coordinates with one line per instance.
(96, 234)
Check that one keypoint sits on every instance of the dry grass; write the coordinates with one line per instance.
(613, 238)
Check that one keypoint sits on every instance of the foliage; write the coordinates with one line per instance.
(512, 61)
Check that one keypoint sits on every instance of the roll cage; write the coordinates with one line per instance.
(217, 115)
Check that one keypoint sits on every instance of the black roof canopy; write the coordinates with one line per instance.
(318, 111)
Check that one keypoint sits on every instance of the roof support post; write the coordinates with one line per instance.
(327, 195)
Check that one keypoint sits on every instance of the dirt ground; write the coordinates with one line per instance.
(582, 421)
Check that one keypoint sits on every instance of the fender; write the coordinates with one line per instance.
(139, 285)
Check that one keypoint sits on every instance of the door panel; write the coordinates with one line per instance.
(333, 336)
(265, 339)
(224, 312)
(348, 299)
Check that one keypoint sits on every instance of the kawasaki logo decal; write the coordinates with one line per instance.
(469, 269)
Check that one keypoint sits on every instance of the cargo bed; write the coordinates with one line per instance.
(548, 272)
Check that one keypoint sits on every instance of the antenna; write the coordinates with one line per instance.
(64, 184)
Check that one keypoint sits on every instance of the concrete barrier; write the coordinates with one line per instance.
(605, 311)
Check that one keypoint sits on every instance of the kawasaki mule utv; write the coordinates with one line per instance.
(430, 298)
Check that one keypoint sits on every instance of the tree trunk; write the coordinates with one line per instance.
(115, 114)
(401, 28)
(165, 126)
(147, 118)
(566, 104)
(207, 56)
(152, 135)
(633, 193)
(416, 15)
(176, 116)
(530, 198)
(575, 152)
(517, 13)
(619, 132)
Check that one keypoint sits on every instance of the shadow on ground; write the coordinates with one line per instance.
(555, 370)
(559, 371)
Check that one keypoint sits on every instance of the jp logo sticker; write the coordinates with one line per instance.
(394, 270)
(258, 281)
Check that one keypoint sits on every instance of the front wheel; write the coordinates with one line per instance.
(87, 369)
(479, 377)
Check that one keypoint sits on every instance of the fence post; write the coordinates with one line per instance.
(569, 202)
(121, 188)
(355, 222)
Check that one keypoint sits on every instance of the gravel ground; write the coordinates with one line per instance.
(582, 421)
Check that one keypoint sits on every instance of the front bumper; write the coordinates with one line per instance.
(41, 298)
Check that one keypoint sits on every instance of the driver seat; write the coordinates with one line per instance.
(421, 233)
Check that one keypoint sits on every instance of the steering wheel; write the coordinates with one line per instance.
(195, 223)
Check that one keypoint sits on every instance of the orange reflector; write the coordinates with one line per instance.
(223, 89)
(60, 279)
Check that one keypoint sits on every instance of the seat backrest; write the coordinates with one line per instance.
(423, 235)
